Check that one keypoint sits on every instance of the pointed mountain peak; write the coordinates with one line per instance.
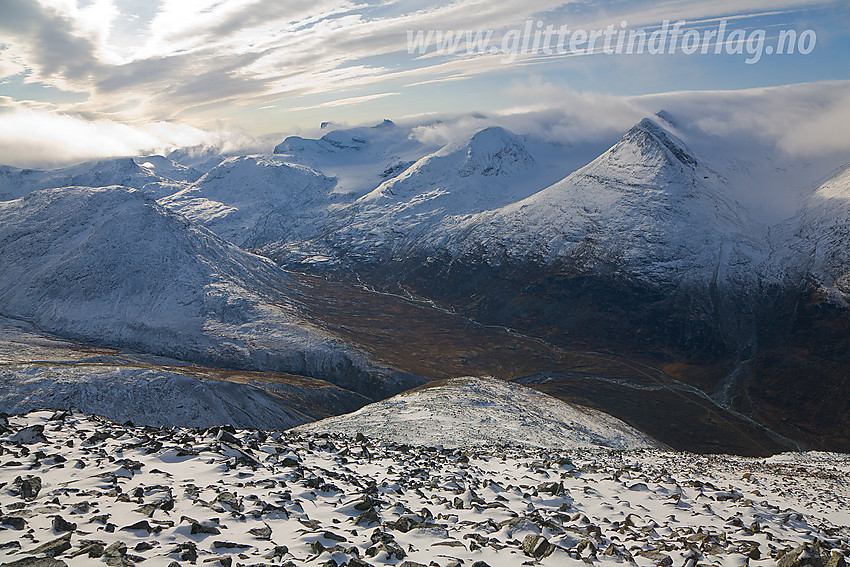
(385, 124)
(667, 117)
(495, 150)
(648, 133)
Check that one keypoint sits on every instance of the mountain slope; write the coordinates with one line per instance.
(253, 200)
(475, 412)
(157, 176)
(42, 371)
(111, 266)
(646, 205)
(359, 158)
(638, 250)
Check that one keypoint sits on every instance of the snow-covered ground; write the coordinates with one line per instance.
(84, 491)
(483, 412)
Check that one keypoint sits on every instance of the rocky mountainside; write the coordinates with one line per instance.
(80, 490)
(641, 244)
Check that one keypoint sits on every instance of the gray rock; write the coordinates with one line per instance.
(28, 487)
(536, 546)
(803, 555)
(54, 547)
(29, 435)
(261, 533)
(37, 562)
(13, 522)
(60, 524)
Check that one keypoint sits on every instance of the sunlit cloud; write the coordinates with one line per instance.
(193, 53)
(346, 101)
(30, 138)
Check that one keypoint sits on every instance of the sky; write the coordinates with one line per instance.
(88, 78)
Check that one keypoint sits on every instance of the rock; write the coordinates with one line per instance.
(227, 437)
(29, 435)
(261, 533)
(411, 564)
(187, 551)
(14, 522)
(290, 461)
(661, 559)
(37, 562)
(230, 545)
(60, 524)
(198, 528)
(92, 548)
(231, 500)
(333, 537)
(536, 546)
(54, 547)
(28, 487)
(142, 525)
(115, 555)
(803, 555)
(836, 560)
(368, 518)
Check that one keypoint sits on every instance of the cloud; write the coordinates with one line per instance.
(192, 59)
(42, 139)
(49, 44)
(346, 101)
(808, 119)
(803, 121)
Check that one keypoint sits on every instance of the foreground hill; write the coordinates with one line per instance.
(475, 412)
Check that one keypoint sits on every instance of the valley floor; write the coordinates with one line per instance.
(84, 490)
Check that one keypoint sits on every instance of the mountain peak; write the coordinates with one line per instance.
(667, 117)
(495, 150)
(647, 132)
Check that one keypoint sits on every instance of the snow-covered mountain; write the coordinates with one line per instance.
(654, 250)
(483, 412)
(646, 207)
(821, 234)
(111, 266)
(254, 200)
(491, 168)
(359, 158)
(154, 175)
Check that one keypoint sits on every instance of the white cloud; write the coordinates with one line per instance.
(31, 138)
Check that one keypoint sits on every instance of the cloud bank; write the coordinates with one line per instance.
(31, 138)
(797, 120)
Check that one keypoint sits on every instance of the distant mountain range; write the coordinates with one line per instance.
(388, 254)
